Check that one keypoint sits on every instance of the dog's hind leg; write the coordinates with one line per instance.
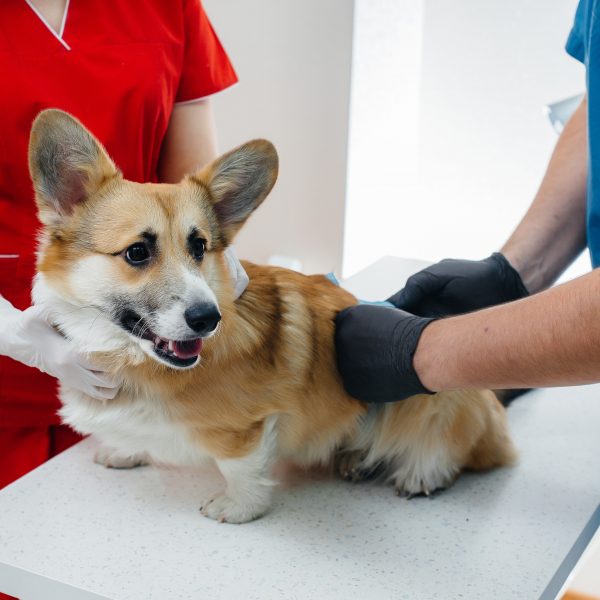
(427, 440)
(249, 488)
(354, 461)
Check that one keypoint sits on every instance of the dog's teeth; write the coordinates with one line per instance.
(157, 341)
(171, 346)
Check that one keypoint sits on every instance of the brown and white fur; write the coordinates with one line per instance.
(265, 385)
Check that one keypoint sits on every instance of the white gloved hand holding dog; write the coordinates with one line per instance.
(28, 337)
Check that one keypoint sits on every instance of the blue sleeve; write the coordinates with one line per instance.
(576, 46)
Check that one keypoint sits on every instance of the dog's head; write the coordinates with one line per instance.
(147, 257)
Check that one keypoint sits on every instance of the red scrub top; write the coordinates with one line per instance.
(119, 67)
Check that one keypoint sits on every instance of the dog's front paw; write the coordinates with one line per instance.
(117, 459)
(224, 509)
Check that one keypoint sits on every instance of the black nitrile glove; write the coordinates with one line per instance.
(453, 287)
(375, 347)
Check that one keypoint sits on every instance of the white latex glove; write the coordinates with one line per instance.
(28, 336)
(238, 274)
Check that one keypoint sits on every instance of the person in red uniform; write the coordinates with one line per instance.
(137, 75)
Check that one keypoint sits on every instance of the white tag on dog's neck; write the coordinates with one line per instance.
(238, 274)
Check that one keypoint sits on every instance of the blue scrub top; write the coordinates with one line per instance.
(584, 45)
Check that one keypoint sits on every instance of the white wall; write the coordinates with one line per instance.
(383, 161)
(486, 68)
(448, 139)
(293, 59)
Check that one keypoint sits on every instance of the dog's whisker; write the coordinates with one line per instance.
(142, 330)
(94, 321)
(71, 312)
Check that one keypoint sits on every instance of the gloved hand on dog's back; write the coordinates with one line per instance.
(29, 337)
(375, 345)
(452, 287)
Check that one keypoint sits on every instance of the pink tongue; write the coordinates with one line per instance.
(187, 349)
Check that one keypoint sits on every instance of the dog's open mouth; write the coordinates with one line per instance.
(182, 353)
(179, 353)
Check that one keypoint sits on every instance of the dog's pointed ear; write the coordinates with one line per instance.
(67, 164)
(238, 182)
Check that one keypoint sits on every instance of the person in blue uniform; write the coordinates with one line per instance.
(497, 323)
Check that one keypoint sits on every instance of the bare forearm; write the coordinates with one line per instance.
(552, 233)
(190, 142)
(550, 339)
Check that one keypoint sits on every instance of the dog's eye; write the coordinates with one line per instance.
(197, 248)
(137, 254)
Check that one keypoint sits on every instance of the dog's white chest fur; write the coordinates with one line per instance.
(134, 424)
(136, 421)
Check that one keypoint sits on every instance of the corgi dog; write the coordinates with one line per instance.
(135, 276)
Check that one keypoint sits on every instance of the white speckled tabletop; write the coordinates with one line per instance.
(74, 530)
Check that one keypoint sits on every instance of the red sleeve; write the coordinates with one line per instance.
(206, 68)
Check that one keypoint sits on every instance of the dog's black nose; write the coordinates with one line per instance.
(202, 318)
